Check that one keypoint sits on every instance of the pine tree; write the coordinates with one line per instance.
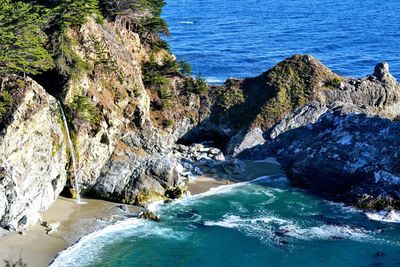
(21, 39)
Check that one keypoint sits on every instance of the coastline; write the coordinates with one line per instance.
(39, 249)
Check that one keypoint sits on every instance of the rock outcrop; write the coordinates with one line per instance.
(33, 154)
(351, 156)
(297, 91)
(345, 147)
(122, 142)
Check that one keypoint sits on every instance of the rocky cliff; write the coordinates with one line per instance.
(122, 139)
(33, 153)
(346, 147)
(247, 112)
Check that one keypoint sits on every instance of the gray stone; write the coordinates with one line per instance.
(233, 167)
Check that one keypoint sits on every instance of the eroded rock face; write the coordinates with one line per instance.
(124, 155)
(33, 155)
(297, 91)
(347, 153)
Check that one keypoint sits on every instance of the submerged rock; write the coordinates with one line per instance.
(149, 215)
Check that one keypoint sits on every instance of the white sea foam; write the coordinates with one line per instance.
(273, 179)
(385, 216)
(86, 250)
(238, 206)
(269, 160)
(186, 22)
(326, 232)
(214, 80)
(154, 206)
(266, 228)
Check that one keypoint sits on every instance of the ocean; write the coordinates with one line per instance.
(232, 38)
(265, 222)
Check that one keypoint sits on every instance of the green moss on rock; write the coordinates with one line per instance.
(145, 197)
(293, 83)
(176, 192)
(84, 109)
(6, 103)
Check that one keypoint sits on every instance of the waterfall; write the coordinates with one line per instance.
(72, 152)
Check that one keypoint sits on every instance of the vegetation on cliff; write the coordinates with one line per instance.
(22, 39)
(34, 33)
(265, 100)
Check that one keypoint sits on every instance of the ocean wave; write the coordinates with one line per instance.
(186, 22)
(269, 160)
(326, 232)
(214, 80)
(86, 250)
(384, 216)
(155, 205)
(272, 228)
(270, 179)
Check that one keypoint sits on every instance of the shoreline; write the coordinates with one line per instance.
(39, 249)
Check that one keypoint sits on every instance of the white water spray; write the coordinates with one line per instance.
(72, 150)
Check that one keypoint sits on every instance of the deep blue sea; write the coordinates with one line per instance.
(265, 222)
(243, 38)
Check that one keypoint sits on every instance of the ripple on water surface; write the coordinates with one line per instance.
(223, 38)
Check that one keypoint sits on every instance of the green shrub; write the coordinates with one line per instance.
(334, 82)
(185, 68)
(168, 123)
(84, 109)
(166, 96)
(196, 85)
(68, 62)
(227, 98)
(22, 39)
(155, 75)
(6, 102)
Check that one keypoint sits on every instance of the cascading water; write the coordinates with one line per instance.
(71, 147)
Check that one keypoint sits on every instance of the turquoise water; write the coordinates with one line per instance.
(232, 38)
(262, 223)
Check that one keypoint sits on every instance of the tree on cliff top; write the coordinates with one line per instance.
(140, 16)
(21, 39)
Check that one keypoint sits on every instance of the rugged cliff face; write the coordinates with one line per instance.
(33, 153)
(122, 142)
(345, 147)
(247, 112)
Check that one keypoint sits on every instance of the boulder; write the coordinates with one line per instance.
(233, 167)
(51, 226)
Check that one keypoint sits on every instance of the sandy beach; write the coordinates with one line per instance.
(254, 169)
(38, 249)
